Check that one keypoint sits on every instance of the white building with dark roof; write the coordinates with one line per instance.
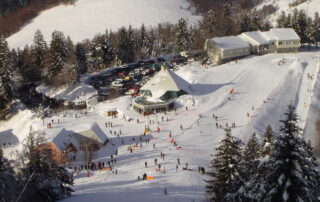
(224, 49)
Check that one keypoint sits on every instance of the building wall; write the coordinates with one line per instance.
(235, 53)
(214, 54)
(57, 156)
(220, 56)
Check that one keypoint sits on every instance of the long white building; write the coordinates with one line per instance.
(277, 40)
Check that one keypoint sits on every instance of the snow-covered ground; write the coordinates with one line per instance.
(88, 17)
(261, 87)
(310, 7)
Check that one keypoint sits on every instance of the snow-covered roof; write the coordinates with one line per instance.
(257, 36)
(63, 137)
(229, 42)
(281, 34)
(166, 80)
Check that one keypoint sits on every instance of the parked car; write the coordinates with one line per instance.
(161, 59)
(117, 83)
(178, 59)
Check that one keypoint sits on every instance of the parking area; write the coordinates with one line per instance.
(129, 78)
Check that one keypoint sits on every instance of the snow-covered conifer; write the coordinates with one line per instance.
(182, 37)
(224, 168)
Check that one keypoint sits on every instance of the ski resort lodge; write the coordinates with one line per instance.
(66, 143)
(277, 40)
(159, 93)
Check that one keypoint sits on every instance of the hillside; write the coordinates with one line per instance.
(85, 19)
(262, 88)
(309, 6)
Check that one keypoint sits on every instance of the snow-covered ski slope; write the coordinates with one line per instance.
(310, 7)
(88, 17)
(261, 87)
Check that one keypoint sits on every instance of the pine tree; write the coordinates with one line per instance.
(245, 24)
(267, 142)
(256, 21)
(131, 46)
(248, 168)
(70, 67)
(8, 185)
(309, 32)
(107, 51)
(225, 168)
(81, 58)
(182, 38)
(227, 22)
(38, 54)
(121, 46)
(41, 173)
(302, 26)
(286, 175)
(58, 54)
(288, 21)
(208, 24)
(5, 66)
(250, 157)
(316, 27)
(144, 43)
(281, 20)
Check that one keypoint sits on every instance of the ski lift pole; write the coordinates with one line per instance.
(25, 186)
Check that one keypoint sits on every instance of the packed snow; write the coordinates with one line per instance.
(87, 18)
(251, 93)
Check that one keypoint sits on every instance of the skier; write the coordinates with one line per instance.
(181, 128)
(154, 146)
(178, 160)
(146, 164)
(165, 191)
(155, 162)
(177, 167)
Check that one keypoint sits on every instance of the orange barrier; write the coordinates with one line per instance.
(149, 178)
(105, 168)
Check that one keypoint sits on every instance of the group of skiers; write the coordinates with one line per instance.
(108, 124)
